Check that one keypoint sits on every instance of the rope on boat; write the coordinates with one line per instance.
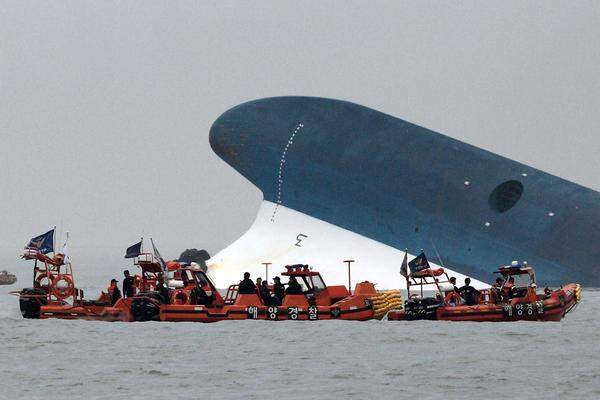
(386, 301)
(578, 293)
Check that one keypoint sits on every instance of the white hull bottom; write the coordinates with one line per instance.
(283, 236)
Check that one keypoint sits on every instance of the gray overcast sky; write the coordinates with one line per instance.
(105, 107)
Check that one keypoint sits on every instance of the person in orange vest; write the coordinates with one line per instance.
(114, 294)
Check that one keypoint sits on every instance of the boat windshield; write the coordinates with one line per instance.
(187, 273)
(521, 280)
(203, 279)
(318, 284)
(302, 281)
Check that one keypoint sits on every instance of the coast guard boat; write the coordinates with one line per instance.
(515, 299)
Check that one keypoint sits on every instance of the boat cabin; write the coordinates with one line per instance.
(151, 268)
(523, 274)
(518, 279)
(188, 278)
(314, 290)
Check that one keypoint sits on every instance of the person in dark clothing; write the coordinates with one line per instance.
(113, 292)
(185, 279)
(497, 290)
(469, 293)
(199, 296)
(293, 286)
(246, 286)
(128, 285)
(163, 290)
(508, 288)
(278, 288)
(268, 298)
(264, 291)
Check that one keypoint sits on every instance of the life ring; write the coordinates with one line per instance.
(180, 296)
(452, 297)
(43, 276)
(63, 293)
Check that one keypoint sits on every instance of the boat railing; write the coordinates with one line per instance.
(231, 295)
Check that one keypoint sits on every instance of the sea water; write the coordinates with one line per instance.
(54, 359)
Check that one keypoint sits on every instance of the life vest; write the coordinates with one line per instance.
(111, 289)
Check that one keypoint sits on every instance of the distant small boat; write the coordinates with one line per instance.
(7, 279)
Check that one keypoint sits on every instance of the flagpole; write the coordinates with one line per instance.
(404, 270)
(53, 241)
(437, 254)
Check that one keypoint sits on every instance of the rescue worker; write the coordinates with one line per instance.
(199, 296)
(258, 285)
(114, 294)
(469, 293)
(246, 286)
(497, 289)
(508, 287)
(163, 290)
(128, 285)
(293, 286)
(452, 280)
(185, 280)
(278, 289)
(268, 298)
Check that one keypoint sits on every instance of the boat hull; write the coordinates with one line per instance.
(270, 313)
(554, 308)
(91, 312)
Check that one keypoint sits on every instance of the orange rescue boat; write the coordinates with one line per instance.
(197, 299)
(517, 299)
(54, 294)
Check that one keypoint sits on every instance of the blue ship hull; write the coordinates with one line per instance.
(409, 187)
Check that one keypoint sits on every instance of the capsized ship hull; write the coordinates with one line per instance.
(402, 186)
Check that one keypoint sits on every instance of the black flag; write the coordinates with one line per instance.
(418, 263)
(134, 250)
(404, 266)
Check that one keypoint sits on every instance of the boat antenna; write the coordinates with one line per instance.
(54, 241)
(349, 262)
(437, 253)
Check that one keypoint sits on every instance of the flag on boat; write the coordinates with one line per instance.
(162, 262)
(418, 263)
(65, 251)
(134, 250)
(404, 267)
(43, 243)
